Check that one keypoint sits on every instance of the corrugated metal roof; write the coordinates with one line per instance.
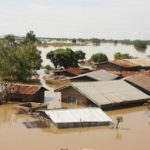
(140, 62)
(140, 80)
(74, 70)
(108, 92)
(24, 89)
(77, 115)
(99, 75)
(131, 73)
(124, 63)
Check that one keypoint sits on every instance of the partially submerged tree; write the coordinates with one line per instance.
(18, 61)
(119, 119)
(119, 55)
(99, 57)
(140, 45)
(65, 57)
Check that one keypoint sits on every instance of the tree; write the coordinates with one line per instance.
(119, 55)
(99, 57)
(65, 57)
(10, 38)
(74, 41)
(80, 55)
(30, 37)
(18, 61)
(140, 45)
(95, 41)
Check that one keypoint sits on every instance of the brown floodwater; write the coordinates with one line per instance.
(133, 133)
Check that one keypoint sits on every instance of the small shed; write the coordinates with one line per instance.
(140, 81)
(26, 93)
(98, 75)
(79, 117)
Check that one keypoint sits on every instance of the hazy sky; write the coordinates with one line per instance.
(116, 19)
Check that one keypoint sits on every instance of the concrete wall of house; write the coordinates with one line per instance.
(71, 92)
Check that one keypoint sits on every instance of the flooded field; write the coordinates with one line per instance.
(133, 133)
(107, 48)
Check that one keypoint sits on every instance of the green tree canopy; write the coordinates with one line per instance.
(142, 45)
(99, 57)
(30, 37)
(18, 61)
(119, 55)
(65, 57)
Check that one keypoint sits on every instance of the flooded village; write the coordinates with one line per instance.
(79, 108)
(75, 75)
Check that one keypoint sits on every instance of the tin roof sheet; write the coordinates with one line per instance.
(99, 75)
(140, 80)
(77, 115)
(140, 62)
(124, 63)
(108, 92)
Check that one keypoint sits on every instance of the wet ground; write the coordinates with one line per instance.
(133, 133)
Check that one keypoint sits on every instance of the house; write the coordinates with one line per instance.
(140, 81)
(71, 72)
(125, 65)
(131, 73)
(98, 75)
(104, 94)
(79, 117)
(26, 93)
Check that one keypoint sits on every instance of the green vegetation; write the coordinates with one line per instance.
(140, 45)
(18, 61)
(74, 41)
(119, 55)
(99, 57)
(95, 41)
(65, 57)
(30, 37)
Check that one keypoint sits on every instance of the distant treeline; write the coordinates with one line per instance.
(138, 44)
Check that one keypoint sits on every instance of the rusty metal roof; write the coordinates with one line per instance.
(74, 70)
(140, 80)
(131, 73)
(124, 63)
(140, 62)
(24, 89)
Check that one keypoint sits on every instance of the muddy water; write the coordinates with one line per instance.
(134, 133)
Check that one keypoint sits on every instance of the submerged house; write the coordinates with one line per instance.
(26, 93)
(79, 117)
(71, 72)
(99, 75)
(104, 94)
(131, 73)
(125, 65)
(140, 81)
